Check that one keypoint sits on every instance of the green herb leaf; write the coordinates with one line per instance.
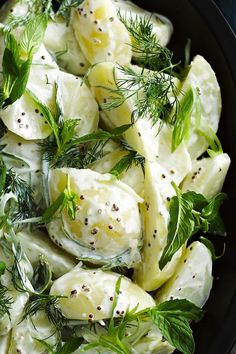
(145, 45)
(33, 34)
(189, 213)
(211, 248)
(150, 91)
(183, 119)
(213, 141)
(180, 227)
(2, 268)
(49, 304)
(71, 345)
(65, 201)
(47, 114)
(66, 6)
(172, 318)
(15, 69)
(44, 343)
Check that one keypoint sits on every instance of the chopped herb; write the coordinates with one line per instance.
(182, 124)
(191, 212)
(128, 160)
(145, 45)
(171, 317)
(151, 91)
(213, 141)
(66, 6)
(65, 201)
(15, 69)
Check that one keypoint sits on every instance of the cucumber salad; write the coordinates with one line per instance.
(110, 181)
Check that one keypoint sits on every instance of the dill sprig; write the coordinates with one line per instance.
(49, 304)
(145, 46)
(132, 158)
(39, 299)
(35, 7)
(63, 148)
(5, 300)
(66, 7)
(154, 94)
(26, 207)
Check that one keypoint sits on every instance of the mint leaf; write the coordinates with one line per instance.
(189, 213)
(15, 69)
(172, 318)
(34, 33)
(180, 307)
(181, 225)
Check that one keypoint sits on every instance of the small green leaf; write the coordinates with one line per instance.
(177, 332)
(71, 345)
(180, 307)
(183, 119)
(211, 248)
(213, 141)
(20, 85)
(211, 214)
(45, 344)
(53, 208)
(180, 227)
(47, 114)
(122, 165)
(34, 33)
(66, 6)
(172, 318)
(2, 268)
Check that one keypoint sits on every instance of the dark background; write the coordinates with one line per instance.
(229, 9)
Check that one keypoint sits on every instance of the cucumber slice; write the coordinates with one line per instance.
(19, 300)
(4, 343)
(192, 279)
(23, 117)
(156, 218)
(78, 103)
(107, 227)
(202, 78)
(60, 40)
(133, 177)
(207, 175)
(100, 34)
(142, 136)
(24, 335)
(37, 243)
(91, 292)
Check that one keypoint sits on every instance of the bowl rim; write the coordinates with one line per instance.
(226, 337)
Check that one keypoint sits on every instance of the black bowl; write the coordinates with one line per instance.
(212, 37)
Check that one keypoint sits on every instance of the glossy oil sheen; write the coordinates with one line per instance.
(202, 22)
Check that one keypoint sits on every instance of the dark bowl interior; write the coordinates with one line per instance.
(211, 36)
